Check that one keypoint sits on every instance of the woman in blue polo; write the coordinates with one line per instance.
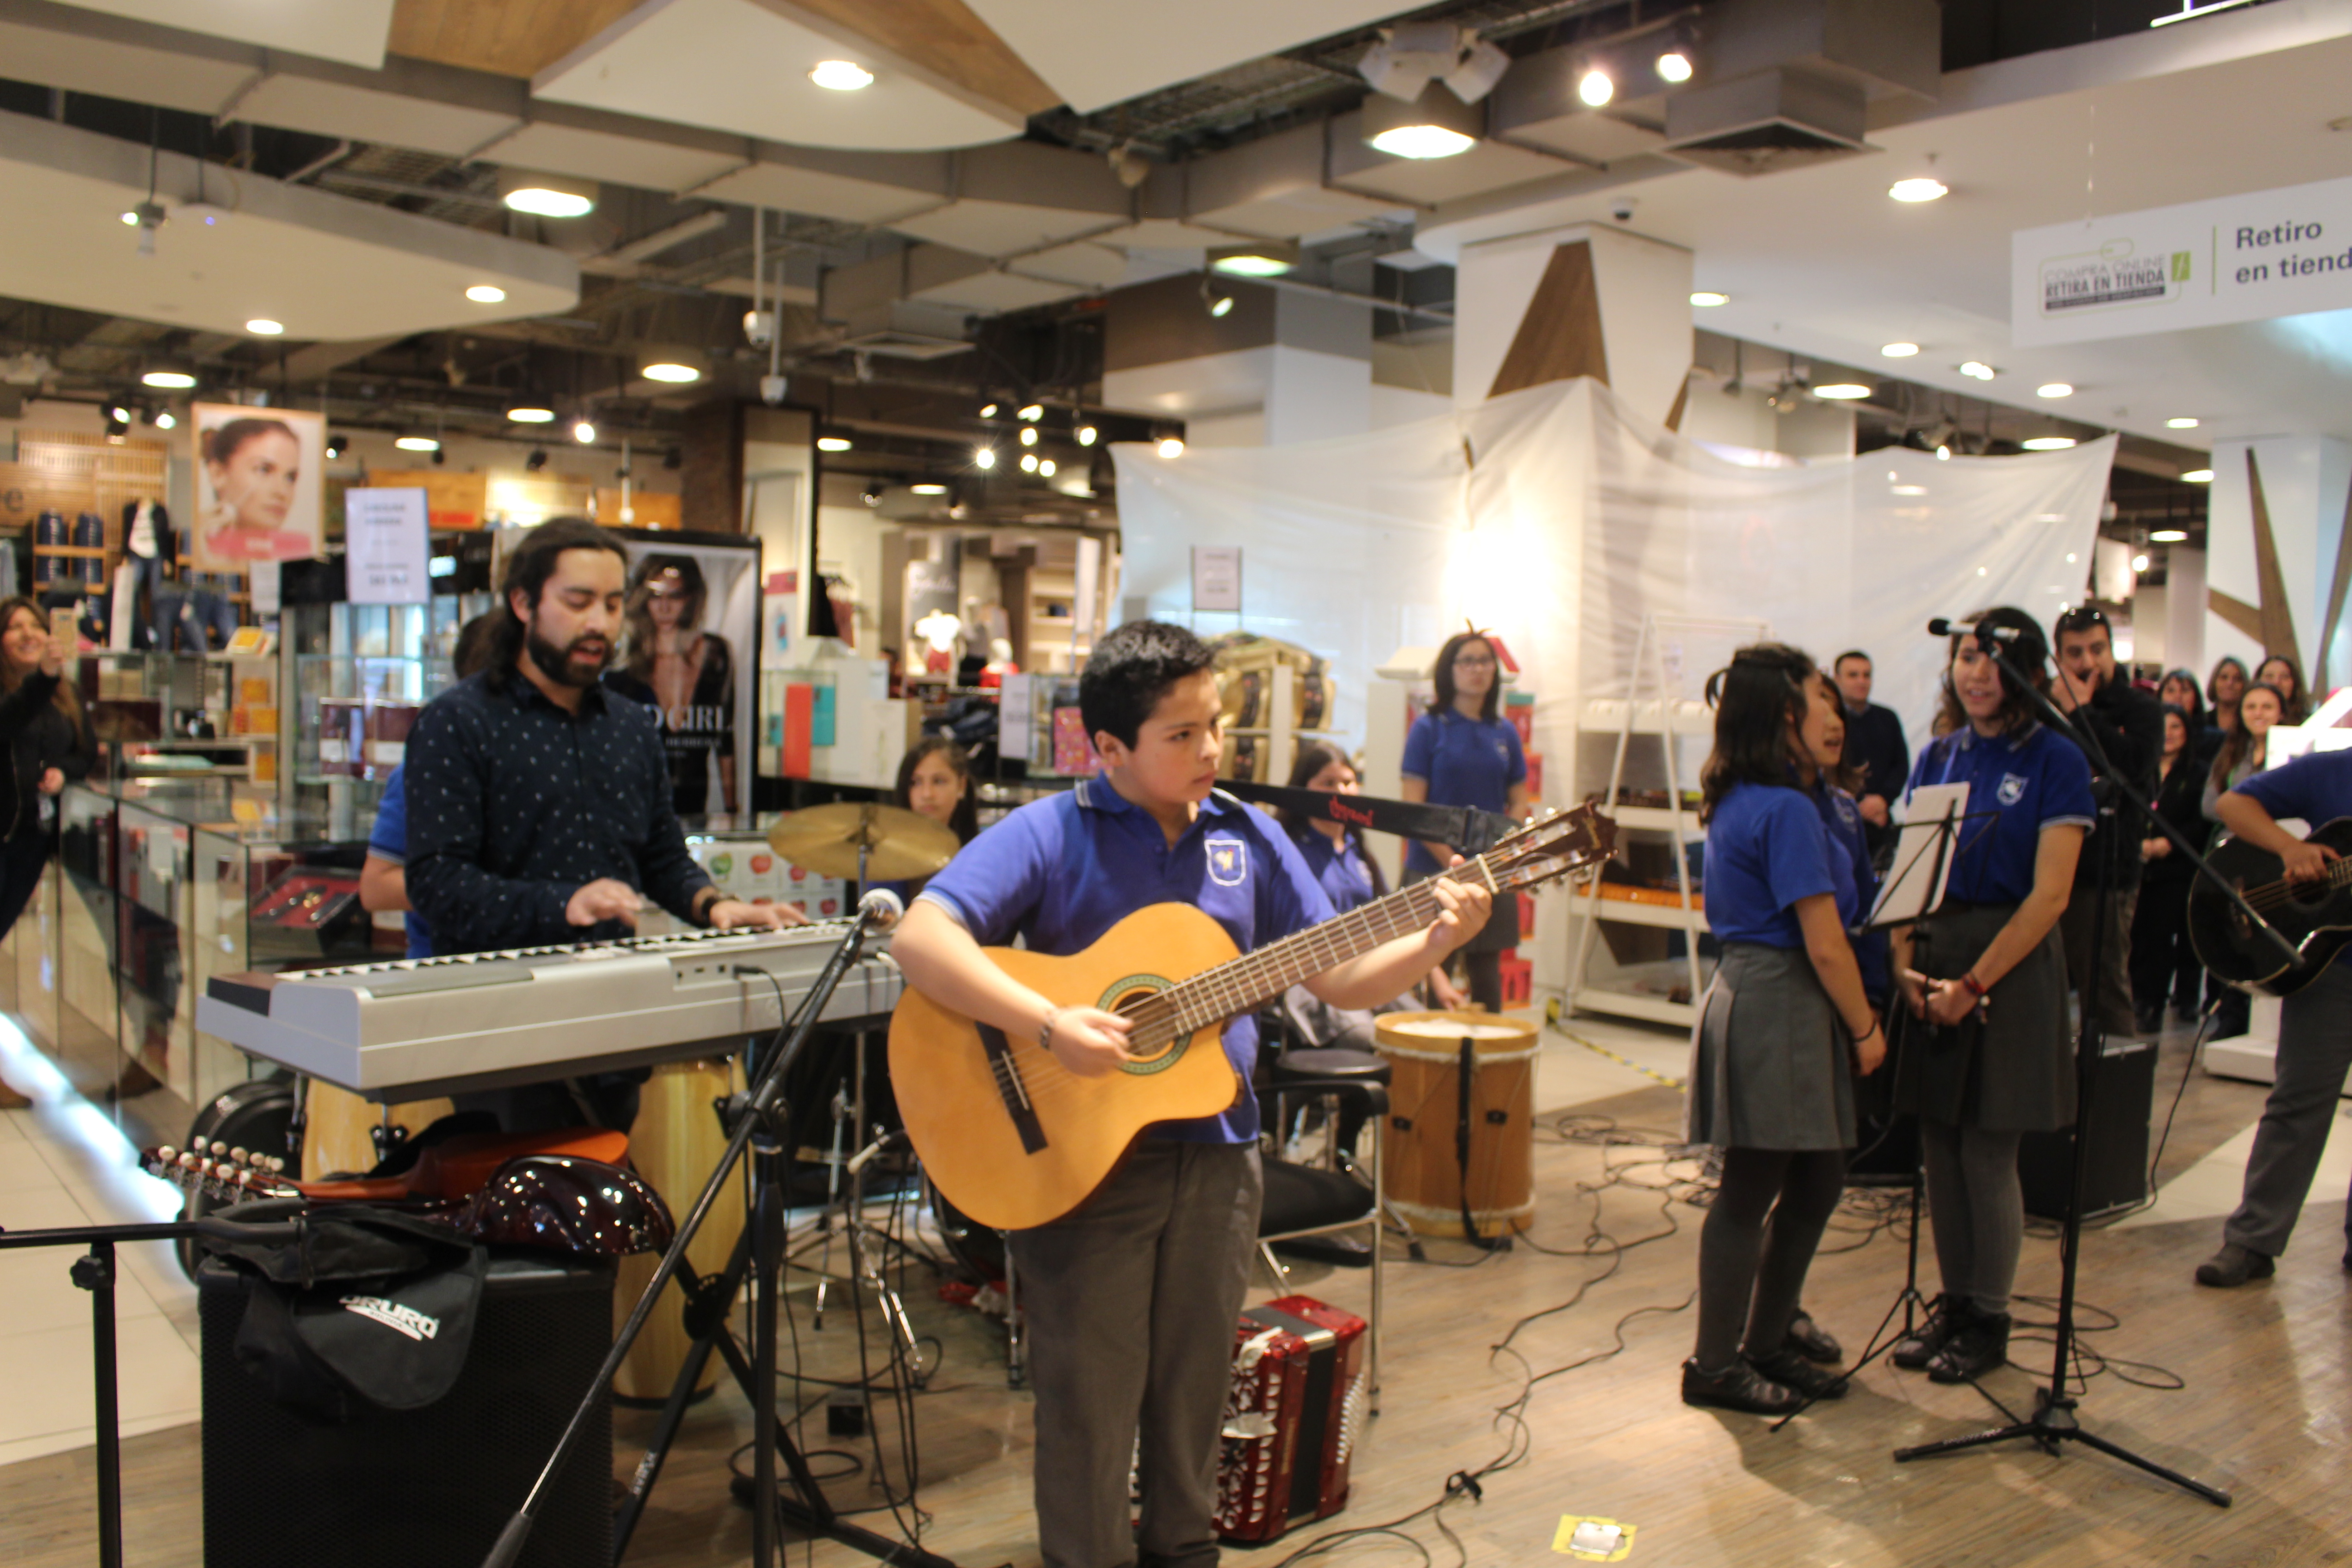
(1782, 1019)
(1987, 977)
(1460, 753)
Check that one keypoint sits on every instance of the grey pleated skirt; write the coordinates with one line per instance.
(1768, 1055)
(2013, 1069)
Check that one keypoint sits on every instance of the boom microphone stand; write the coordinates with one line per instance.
(758, 1126)
(2054, 1421)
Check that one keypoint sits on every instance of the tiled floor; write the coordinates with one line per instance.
(62, 1164)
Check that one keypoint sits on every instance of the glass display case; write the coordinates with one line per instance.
(157, 715)
(359, 676)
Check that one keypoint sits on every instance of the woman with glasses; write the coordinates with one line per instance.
(1460, 753)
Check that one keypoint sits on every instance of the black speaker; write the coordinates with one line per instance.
(419, 1488)
(2116, 1175)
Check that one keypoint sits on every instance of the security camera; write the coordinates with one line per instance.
(759, 327)
(1621, 209)
(773, 389)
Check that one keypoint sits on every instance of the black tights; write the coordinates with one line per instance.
(1751, 1273)
(1484, 973)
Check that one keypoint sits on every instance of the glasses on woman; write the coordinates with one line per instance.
(1474, 661)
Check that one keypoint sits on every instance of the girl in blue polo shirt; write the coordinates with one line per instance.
(1460, 753)
(1987, 973)
(1785, 1011)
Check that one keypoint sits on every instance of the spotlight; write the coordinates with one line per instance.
(536, 461)
(1171, 446)
(984, 457)
(675, 371)
(530, 411)
(1029, 435)
(841, 75)
(262, 326)
(165, 419)
(1707, 299)
(1435, 124)
(1842, 391)
(833, 443)
(1045, 468)
(2181, 424)
(2054, 389)
(1480, 69)
(1267, 258)
(1979, 369)
(1595, 88)
(927, 490)
(119, 414)
(1921, 188)
(1674, 66)
(2139, 562)
(1899, 350)
(1032, 412)
(417, 443)
(988, 411)
(2193, 477)
(439, 457)
(1028, 462)
(2051, 444)
(1087, 436)
(1221, 305)
(118, 423)
(871, 495)
(486, 294)
(2168, 536)
(584, 433)
(171, 377)
(547, 196)
(337, 446)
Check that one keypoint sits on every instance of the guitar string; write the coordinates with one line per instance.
(2282, 892)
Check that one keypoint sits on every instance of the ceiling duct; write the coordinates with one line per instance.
(906, 328)
(1788, 83)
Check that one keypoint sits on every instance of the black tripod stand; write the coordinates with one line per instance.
(2054, 1421)
(759, 1123)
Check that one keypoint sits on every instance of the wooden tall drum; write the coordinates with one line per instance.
(1423, 1176)
(675, 1145)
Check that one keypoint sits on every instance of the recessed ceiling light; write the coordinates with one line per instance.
(1595, 88)
(1978, 368)
(1222, 305)
(927, 490)
(1841, 390)
(263, 326)
(833, 443)
(1910, 490)
(1707, 299)
(841, 75)
(1422, 141)
(1898, 350)
(2181, 424)
(988, 411)
(1674, 65)
(2054, 389)
(1028, 435)
(547, 196)
(1028, 462)
(2197, 477)
(1087, 434)
(583, 432)
(486, 294)
(1922, 189)
(177, 380)
(984, 457)
(2168, 536)
(2049, 444)
(531, 414)
(1252, 265)
(1046, 467)
(417, 444)
(1033, 412)
(166, 419)
(670, 371)
(2139, 562)
(1171, 446)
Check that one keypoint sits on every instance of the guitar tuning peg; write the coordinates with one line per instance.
(277, 1164)
(190, 1161)
(218, 1148)
(236, 1156)
(165, 1154)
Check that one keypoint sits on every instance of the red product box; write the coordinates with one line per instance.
(1292, 1419)
(1534, 776)
(1518, 980)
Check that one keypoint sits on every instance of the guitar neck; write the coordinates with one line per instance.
(1232, 989)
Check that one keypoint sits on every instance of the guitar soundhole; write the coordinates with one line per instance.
(1138, 1003)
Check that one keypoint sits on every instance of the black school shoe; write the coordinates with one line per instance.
(1914, 1349)
(1741, 1388)
(1809, 1340)
(2234, 1265)
(1977, 1347)
(1792, 1370)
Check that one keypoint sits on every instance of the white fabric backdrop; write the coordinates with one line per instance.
(1558, 518)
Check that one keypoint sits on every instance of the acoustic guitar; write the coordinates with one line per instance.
(2316, 917)
(1013, 1138)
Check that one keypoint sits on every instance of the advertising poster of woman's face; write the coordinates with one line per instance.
(260, 478)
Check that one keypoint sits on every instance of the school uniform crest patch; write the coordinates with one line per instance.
(2011, 789)
(1228, 861)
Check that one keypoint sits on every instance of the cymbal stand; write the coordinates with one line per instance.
(759, 1124)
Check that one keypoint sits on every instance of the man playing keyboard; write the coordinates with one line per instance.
(540, 805)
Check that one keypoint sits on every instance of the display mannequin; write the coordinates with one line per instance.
(938, 631)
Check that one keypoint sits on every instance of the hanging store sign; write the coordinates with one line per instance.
(2203, 264)
(387, 550)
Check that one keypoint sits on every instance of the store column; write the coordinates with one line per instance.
(1277, 367)
(2277, 571)
(1587, 300)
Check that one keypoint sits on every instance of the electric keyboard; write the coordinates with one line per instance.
(414, 1028)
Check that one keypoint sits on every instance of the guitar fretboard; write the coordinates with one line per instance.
(1232, 989)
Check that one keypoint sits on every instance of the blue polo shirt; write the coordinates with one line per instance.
(2315, 787)
(1060, 872)
(1465, 761)
(1338, 868)
(1766, 848)
(388, 841)
(2025, 783)
(1857, 887)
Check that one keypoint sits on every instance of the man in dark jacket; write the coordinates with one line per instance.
(1875, 747)
(2129, 726)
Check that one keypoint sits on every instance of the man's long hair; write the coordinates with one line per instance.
(527, 569)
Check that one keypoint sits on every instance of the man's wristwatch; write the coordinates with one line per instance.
(702, 906)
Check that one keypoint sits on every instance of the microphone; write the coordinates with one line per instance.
(880, 909)
(1941, 628)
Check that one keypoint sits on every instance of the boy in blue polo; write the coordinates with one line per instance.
(1131, 1297)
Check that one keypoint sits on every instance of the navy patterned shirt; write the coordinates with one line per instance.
(514, 803)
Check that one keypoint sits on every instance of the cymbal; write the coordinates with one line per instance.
(900, 844)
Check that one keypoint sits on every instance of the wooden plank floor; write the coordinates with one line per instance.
(2266, 1412)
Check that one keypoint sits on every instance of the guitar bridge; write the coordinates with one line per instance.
(1011, 1090)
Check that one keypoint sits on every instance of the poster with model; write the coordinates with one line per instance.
(260, 483)
(691, 626)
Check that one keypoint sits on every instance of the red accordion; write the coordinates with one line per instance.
(1292, 1419)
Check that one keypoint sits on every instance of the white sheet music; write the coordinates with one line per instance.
(1924, 851)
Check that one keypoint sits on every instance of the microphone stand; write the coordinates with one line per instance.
(2054, 1421)
(758, 1127)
